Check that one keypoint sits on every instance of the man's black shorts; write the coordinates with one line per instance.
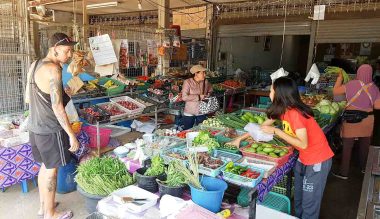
(50, 148)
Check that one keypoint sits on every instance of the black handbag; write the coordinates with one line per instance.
(354, 116)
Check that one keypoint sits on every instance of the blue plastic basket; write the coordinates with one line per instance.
(277, 202)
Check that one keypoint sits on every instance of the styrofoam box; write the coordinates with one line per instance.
(13, 139)
(138, 193)
(139, 110)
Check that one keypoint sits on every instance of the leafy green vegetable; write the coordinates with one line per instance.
(101, 176)
(157, 167)
(204, 138)
(174, 177)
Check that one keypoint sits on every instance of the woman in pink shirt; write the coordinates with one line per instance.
(193, 91)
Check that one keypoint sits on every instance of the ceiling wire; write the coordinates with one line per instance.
(283, 34)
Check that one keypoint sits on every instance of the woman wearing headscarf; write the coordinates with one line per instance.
(194, 90)
(363, 96)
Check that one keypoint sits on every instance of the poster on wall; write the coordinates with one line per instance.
(102, 50)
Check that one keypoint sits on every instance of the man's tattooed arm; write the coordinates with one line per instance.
(55, 84)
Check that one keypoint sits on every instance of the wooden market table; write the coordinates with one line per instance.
(256, 94)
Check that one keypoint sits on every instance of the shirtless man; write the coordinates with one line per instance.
(50, 132)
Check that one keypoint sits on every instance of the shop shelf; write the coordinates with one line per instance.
(242, 180)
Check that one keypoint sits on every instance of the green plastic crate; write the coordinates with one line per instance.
(243, 198)
(277, 202)
(280, 187)
(112, 91)
(222, 140)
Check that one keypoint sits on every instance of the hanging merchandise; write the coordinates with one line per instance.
(176, 41)
(152, 52)
(278, 74)
(161, 51)
(166, 42)
(123, 56)
(81, 62)
(313, 74)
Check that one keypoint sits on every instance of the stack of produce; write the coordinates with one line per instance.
(313, 99)
(241, 170)
(251, 118)
(267, 149)
(326, 112)
(232, 121)
(102, 176)
(213, 122)
(207, 161)
(332, 70)
(233, 84)
(205, 139)
(156, 168)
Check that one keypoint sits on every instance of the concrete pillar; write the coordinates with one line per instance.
(163, 23)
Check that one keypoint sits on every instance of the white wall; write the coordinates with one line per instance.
(247, 53)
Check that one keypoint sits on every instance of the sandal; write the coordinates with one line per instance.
(41, 216)
(66, 215)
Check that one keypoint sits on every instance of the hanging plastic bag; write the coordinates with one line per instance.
(71, 112)
(256, 133)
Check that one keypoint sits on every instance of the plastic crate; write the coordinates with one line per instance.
(140, 107)
(103, 117)
(115, 117)
(104, 133)
(117, 130)
(267, 166)
(211, 172)
(226, 156)
(112, 91)
(280, 187)
(243, 198)
(241, 180)
(213, 131)
(277, 202)
(148, 103)
(167, 158)
(280, 161)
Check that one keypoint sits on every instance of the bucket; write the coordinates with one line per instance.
(212, 197)
(104, 133)
(91, 201)
(148, 183)
(65, 178)
(169, 190)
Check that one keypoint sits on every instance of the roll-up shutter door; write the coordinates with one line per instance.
(194, 33)
(264, 29)
(348, 31)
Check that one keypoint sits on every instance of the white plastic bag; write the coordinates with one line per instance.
(71, 112)
(256, 133)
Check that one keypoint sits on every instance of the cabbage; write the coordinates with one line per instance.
(324, 102)
(335, 106)
(325, 109)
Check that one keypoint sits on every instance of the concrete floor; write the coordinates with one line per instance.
(18, 205)
(340, 200)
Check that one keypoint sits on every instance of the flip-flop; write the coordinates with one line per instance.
(41, 216)
(67, 215)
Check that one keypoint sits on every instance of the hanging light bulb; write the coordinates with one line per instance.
(139, 5)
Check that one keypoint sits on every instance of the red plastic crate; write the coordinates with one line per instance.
(280, 161)
(105, 135)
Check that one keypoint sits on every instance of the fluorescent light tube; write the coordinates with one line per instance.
(102, 5)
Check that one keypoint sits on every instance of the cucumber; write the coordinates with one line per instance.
(273, 155)
(277, 151)
(268, 150)
(254, 145)
(262, 153)
(259, 149)
(282, 154)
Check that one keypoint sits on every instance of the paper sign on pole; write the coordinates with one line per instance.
(319, 12)
(102, 50)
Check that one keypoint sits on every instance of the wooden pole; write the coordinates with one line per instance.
(311, 45)
(85, 23)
